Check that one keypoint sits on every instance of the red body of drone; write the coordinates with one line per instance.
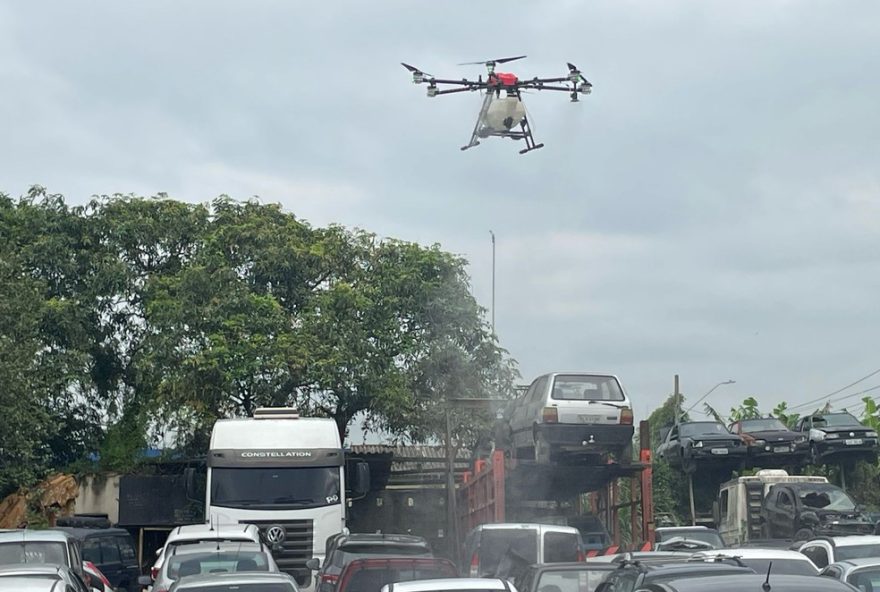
(503, 116)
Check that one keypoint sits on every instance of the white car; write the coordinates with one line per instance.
(574, 415)
(237, 582)
(452, 585)
(823, 551)
(862, 574)
(200, 533)
(784, 561)
(211, 558)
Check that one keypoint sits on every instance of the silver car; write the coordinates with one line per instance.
(237, 582)
(50, 577)
(211, 558)
(862, 574)
(572, 415)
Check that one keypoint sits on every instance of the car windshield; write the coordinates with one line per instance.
(249, 587)
(763, 425)
(275, 488)
(54, 553)
(192, 564)
(586, 388)
(703, 428)
(836, 420)
(790, 567)
(867, 578)
(856, 552)
(570, 580)
(826, 498)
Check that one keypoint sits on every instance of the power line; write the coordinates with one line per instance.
(850, 396)
(823, 397)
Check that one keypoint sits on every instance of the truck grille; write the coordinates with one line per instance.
(296, 548)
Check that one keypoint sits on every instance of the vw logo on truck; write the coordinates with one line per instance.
(275, 534)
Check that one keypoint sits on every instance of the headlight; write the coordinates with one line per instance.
(759, 442)
(800, 439)
(831, 436)
(871, 434)
(698, 444)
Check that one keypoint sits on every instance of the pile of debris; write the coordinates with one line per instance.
(53, 497)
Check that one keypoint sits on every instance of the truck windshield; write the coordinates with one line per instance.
(275, 488)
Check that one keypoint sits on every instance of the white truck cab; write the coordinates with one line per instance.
(286, 475)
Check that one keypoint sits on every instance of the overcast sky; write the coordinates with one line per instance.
(712, 209)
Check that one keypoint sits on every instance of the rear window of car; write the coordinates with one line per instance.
(371, 578)
(560, 547)
(191, 564)
(582, 580)
(33, 552)
(380, 549)
(586, 388)
(262, 587)
(791, 567)
(521, 544)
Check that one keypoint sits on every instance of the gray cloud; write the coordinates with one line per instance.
(712, 209)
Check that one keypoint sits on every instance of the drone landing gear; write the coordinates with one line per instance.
(527, 136)
(471, 145)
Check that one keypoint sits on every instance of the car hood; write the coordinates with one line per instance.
(715, 437)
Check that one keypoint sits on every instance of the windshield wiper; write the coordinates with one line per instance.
(293, 500)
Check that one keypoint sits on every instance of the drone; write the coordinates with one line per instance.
(503, 113)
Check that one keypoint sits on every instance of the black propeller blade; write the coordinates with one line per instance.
(493, 62)
(571, 68)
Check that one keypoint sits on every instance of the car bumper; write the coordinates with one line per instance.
(585, 437)
(775, 449)
(866, 445)
(707, 452)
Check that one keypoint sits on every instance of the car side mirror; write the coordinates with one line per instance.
(313, 564)
(158, 551)
(361, 483)
(145, 581)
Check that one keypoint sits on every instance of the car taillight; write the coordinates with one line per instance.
(154, 573)
(581, 556)
(550, 415)
(626, 416)
(329, 579)
(475, 566)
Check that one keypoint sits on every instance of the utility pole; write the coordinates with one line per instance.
(493, 281)
(677, 399)
(451, 509)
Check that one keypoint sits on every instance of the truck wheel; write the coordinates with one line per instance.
(803, 534)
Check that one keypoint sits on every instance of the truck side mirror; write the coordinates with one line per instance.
(189, 476)
(716, 514)
(313, 564)
(361, 484)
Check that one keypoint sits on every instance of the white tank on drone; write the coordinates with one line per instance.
(505, 113)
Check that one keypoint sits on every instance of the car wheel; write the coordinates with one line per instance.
(803, 534)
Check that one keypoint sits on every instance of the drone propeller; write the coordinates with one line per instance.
(493, 62)
(415, 70)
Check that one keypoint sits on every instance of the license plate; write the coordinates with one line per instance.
(721, 451)
(854, 442)
(781, 449)
(590, 418)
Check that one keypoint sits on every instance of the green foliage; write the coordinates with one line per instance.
(130, 319)
(781, 412)
(747, 410)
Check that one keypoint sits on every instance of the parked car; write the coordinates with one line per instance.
(690, 444)
(95, 579)
(840, 435)
(862, 574)
(53, 547)
(785, 561)
(237, 582)
(823, 551)
(452, 585)
(211, 557)
(675, 538)
(113, 553)
(637, 575)
(749, 583)
(369, 575)
(804, 510)
(62, 578)
(343, 549)
(564, 577)
(770, 443)
(193, 534)
(489, 548)
(574, 416)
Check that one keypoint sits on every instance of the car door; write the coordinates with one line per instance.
(111, 560)
(669, 449)
(130, 569)
(783, 515)
(520, 425)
